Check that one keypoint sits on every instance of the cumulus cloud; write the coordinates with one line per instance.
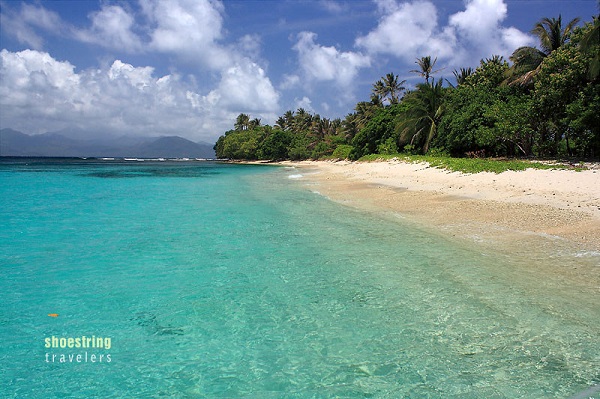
(130, 99)
(30, 76)
(322, 63)
(304, 103)
(411, 29)
(403, 29)
(479, 26)
(246, 87)
(39, 93)
(190, 29)
(111, 27)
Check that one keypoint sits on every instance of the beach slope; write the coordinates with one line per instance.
(561, 205)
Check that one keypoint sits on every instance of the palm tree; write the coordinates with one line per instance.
(551, 34)
(379, 89)
(254, 123)
(365, 110)
(393, 87)
(423, 116)
(321, 127)
(588, 42)
(528, 60)
(242, 122)
(389, 87)
(426, 67)
(462, 74)
(302, 120)
(350, 126)
(281, 123)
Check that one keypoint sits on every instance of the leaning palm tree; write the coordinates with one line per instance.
(527, 60)
(426, 67)
(425, 110)
(551, 34)
(589, 42)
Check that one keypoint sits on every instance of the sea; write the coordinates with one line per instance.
(198, 279)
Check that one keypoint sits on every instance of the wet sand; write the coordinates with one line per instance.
(535, 213)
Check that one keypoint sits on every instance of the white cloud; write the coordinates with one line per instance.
(250, 45)
(321, 63)
(111, 27)
(290, 82)
(304, 103)
(404, 30)
(129, 99)
(410, 30)
(39, 93)
(479, 27)
(22, 24)
(479, 19)
(512, 39)
(244, 87)
(332, 6)
(190, 29)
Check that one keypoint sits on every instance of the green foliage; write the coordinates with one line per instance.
(419, 121)
(528, 60)
(590, 43)
(389, 146)
(342, 151)
(410, 149)
(546, 104)
(562, 84)
(298, 149)
(583, 122)
(389, 87)
(491, 72)
(464, 126)
(321, 149)
(465, 165)
(510, 131)
(476, 165)
(378, 130)
(240, 144)
(275, 145)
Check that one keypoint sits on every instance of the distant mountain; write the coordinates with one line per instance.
(173, 147)
(15, 143)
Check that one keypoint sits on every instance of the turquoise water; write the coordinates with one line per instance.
(231, 281)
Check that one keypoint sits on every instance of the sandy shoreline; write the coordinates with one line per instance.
(516, 208)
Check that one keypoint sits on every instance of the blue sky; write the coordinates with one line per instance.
(189, 67)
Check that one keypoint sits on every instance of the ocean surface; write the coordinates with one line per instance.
(207, 280)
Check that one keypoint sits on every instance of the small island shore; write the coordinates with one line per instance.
(510, 208)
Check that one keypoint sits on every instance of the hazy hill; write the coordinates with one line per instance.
(14, 143)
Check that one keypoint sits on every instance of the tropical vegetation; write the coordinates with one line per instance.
(541, 102)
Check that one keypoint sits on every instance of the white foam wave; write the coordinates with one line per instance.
(585, 254)
(295, 176)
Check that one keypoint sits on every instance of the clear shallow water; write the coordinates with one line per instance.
(225, 281)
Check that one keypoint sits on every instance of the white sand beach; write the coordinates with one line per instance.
(511, 207)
